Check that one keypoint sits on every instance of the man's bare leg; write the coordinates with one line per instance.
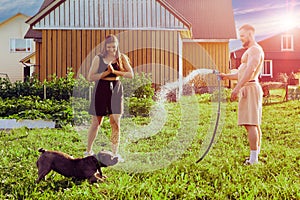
(253, 138)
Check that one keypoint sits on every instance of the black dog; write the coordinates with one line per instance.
(81, 168)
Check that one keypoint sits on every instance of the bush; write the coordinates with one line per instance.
(30, 87)
(140, 86)
(195, 86)
(138, 94)
(56, 88)
(199, 85)
(138, 106)
(35, 108)
(80, 111)
(60, 88)
(24, 100)
(81, 87)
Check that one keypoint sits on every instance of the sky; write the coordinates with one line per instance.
(269, 17)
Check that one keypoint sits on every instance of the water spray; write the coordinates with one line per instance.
(216, 72)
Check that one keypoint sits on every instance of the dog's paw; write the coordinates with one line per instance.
(98, 176)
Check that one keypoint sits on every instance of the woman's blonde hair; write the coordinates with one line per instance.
(119, 56)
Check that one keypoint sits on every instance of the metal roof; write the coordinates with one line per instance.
(127, 14)
(210, 19)
(207, 19)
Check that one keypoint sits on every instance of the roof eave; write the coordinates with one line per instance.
(176, 13)
(44, 12)
(10, 18)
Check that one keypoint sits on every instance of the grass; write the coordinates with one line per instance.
(276, 96)
(221, 175)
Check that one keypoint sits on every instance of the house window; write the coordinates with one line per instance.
(287, 42)
(267, 69)
(20, 45)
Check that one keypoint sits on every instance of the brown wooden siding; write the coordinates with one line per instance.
(38, 47)
(154, 52)
(211, 55)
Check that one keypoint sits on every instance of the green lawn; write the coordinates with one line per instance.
(221, 175)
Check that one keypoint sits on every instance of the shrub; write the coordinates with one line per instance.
(140, 86)
(195, 86)
(56, 88)
(36, 108)
(199, 84)
(24, 100)
(138, 106)
(81, 87)
(30, 87)
(138, 94)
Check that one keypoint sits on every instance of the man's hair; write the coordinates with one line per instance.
(247, 27)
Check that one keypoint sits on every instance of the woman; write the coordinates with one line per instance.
(107, 98)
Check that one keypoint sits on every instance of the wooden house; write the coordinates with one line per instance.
(167, 38)
(282, 56)
(14, 47)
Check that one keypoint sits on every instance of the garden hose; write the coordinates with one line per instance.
(217, 120)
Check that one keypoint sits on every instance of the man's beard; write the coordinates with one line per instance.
(246, 44)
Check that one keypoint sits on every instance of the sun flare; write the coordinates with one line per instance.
(288, 21)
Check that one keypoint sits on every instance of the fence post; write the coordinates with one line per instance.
(90, 93)
(45, 92)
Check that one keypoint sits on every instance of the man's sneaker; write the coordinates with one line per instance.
(247, 162)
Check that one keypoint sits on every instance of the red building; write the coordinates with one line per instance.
(282, 56)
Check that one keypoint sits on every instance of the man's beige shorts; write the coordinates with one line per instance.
(250, 104)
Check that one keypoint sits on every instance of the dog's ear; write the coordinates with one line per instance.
(41, 150)
(115, 160)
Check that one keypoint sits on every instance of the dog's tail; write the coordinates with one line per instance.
(42, 150)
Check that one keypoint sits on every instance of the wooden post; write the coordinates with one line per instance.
(286, 91)
(90, 93)
(45, 92)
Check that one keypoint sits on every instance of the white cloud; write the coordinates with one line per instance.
(9, 8)
(263, 7)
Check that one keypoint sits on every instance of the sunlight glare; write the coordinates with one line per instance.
(288, 21)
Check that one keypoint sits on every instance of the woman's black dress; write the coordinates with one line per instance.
(107, 97)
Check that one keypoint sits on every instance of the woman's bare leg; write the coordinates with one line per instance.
(93, 131)
(115, 135)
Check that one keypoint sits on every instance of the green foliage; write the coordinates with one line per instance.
(138, 94)
(139, 106)
(221, 175)
(140, 86)
(30, 87)
(35, 108)
(80, 107)
(56, 88)
(214, 96)
(60, 88)
(82, 87)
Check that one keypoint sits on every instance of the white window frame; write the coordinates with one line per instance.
(13, 49)
(271, 69)
(286, 41)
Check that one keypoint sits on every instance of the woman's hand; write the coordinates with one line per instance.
(110, 68)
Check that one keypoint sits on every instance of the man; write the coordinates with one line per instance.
(248, 90)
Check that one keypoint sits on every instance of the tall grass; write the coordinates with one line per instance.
(221, 175)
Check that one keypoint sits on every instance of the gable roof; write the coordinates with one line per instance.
(206, 19)
(46, 7)
(93, 13)
(210, 19)
(12, 17)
